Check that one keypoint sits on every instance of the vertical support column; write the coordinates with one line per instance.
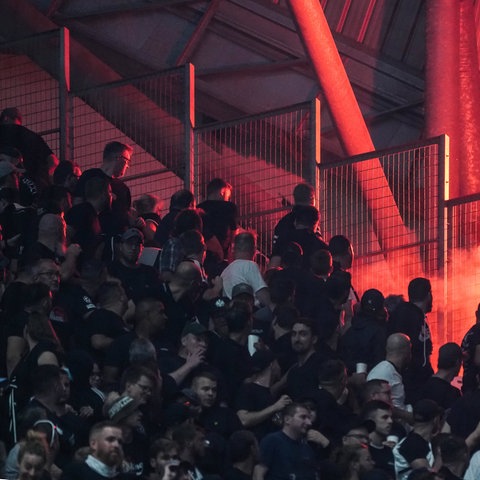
(64, 97)
(314, 157)
(189, 122)
(469, 102)
(441, 77)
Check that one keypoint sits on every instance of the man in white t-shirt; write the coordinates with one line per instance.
(244, 270)
(398, 356)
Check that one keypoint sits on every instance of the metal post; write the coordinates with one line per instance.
(443, 235)
(189, 122)
(64, 90)
(314, 158)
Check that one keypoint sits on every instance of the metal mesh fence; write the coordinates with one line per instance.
(463, 271)
(149, 114)
(390, 205)
(263, 157)
(32, 89)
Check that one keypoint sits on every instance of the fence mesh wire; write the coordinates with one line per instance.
(463, 272)
(387, 204)
(263, 157)
(33, 90)
(148, 114)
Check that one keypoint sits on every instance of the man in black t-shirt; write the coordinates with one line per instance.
(415, 450)
(138, 280)
(255, 404)
(220, 221)
(38, 158)
(243, 455)
(410, 318)
(471, 355)
(304, 233)
(438, 387)
(381, 414)
(116, 160)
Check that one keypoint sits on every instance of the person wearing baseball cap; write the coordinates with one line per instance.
(191, 354)
(124, 412)
(364, 342)
(138, 280)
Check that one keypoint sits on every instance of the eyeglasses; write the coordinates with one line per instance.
(125, 159)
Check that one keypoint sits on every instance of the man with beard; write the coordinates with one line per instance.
(302, 378)
(410, 318)
(286, 454)
(105, 458)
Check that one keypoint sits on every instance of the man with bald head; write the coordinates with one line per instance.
(399, 354)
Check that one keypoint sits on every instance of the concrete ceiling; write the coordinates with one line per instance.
(249, 58)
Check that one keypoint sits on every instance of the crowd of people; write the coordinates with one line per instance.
(156, 348)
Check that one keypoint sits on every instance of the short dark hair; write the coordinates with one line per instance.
(449, 356)
(331, 371)
(184, 433)
(115, 148)
(291, 409)
(45, 378)
(286, 315)
(374, 405)
(303, 193)
(281, 287)
(309, 323)
(452, 448)
(63, 171)
(240, 445)
(187, 219)
(181, 199)
(95, 187)
(418, 289)
(205, 374)
(306, 216)
(339, 245)
(215, 185)
(133, 373)
(100, 426)
(161, 445)
(192, 242)
(321, 262)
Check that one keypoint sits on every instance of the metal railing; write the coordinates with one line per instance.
(40, 93)
(463, 264)
(153, 114)
(397, 226)
(263, 157)
(393, 204)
